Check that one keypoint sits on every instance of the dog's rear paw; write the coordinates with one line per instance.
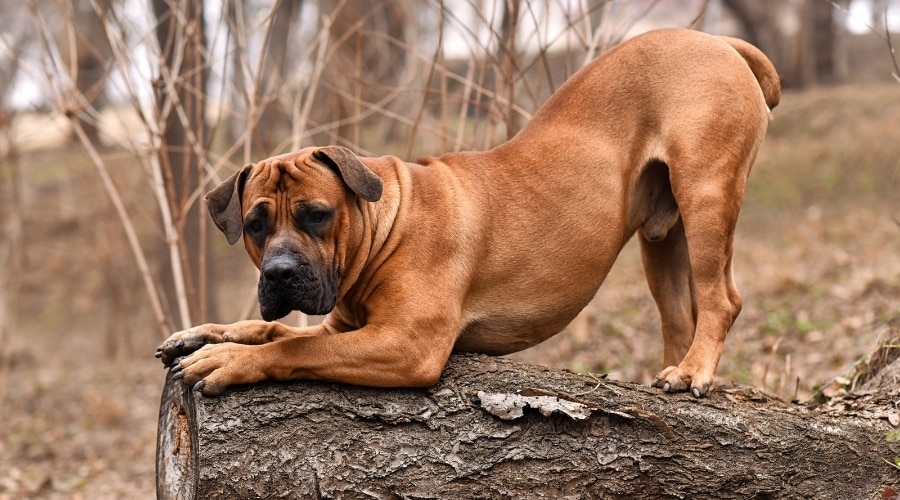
(675, 379)
(183, 343)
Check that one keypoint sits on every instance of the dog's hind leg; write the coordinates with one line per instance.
(709, 210)
(668, 269)
(664, 252)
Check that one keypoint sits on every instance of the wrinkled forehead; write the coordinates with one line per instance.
(287, 173)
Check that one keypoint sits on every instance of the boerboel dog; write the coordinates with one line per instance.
(496, 251)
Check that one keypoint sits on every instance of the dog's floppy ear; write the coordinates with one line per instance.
(224, 204)
(358, 177)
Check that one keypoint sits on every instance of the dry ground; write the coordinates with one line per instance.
(817, 262)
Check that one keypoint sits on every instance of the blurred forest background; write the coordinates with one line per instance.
(117, 115)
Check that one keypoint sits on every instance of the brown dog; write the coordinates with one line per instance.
(496, 251)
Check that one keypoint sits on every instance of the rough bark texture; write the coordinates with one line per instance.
(314, 440)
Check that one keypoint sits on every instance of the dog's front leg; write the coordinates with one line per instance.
(370, 356)
(251, 332)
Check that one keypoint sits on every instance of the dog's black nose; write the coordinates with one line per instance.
(280, 268)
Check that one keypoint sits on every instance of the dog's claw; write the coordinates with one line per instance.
(198, 386)
(666, 387)
(177, 372)
(696, 392)
(654, 383)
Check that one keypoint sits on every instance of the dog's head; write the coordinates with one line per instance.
(298, 213)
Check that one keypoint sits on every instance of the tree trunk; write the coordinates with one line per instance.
(462, 439)
(759, 23)
(182, 41)
(369, 59)
(507, 55)
(92, 55)
(272, 125)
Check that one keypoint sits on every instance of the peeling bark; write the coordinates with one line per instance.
(315, 440)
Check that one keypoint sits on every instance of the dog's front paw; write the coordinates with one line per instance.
(182, 343)
(216, 366)
(676, 379)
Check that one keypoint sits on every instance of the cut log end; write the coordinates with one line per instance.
(176, 442)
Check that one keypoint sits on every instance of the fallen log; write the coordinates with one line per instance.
(492, 428)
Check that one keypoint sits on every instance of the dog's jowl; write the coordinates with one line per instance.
(496, 251)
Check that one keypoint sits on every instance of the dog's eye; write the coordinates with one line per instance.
(317, 216)
(255, 226)
(314, 218)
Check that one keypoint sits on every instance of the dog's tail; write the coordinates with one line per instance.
(761, 67)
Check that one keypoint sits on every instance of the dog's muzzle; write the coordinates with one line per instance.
(289, 282)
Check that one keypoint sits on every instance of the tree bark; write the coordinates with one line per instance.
(319, 440)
